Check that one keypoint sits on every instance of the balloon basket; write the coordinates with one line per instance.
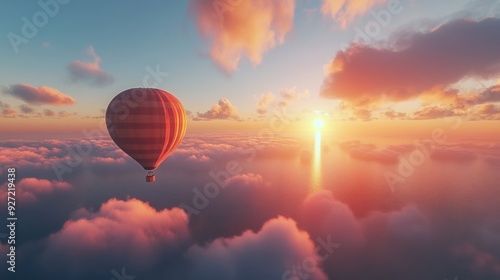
(150, 177)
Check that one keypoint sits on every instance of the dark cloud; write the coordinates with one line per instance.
(427, 61)
(26, 109)
(49, 113)
(6, 110)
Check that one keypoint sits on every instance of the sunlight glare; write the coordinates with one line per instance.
(318, 123)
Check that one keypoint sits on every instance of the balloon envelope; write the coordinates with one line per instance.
(147, 124)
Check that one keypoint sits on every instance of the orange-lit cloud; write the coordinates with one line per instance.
(345, 11)
(423, 63)
(223, 110)
(237, 29)
(90, 72)
(42, 95)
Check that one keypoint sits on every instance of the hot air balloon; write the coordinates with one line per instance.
(147, 124)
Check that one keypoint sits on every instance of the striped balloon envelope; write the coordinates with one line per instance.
(147, 124)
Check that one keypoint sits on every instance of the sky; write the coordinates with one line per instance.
(326, 139)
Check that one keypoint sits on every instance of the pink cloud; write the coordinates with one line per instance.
(322, 216)
(276, 247)
(243, 29)
(130, 230)
(90, 72)
(29, 189)
(108, 160)
(42, 95)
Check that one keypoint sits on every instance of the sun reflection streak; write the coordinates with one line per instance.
(316, 166)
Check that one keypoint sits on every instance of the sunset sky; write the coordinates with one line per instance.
(373, 124)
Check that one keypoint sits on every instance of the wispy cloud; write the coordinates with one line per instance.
(90, 72)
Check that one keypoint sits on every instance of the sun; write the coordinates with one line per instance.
(318, 123)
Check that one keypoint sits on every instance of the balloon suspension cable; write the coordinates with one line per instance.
(150, 176)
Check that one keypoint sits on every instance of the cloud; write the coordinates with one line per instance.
(223, 110)
(267, 254)
(28, 190)
(453, 154)
(391, 115)
(42, 95)
(433, 112)
(479, 260)
(243, 29)
(345, 11)
(489, 109)
(369, 152)
(6, 110)
(321, 215)
(128, 233)
(26, 109)
(90, 72)
(49, 113)
(290, 95)
(363, 114)
(264, 101)
(427, 62)
(287, 96)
